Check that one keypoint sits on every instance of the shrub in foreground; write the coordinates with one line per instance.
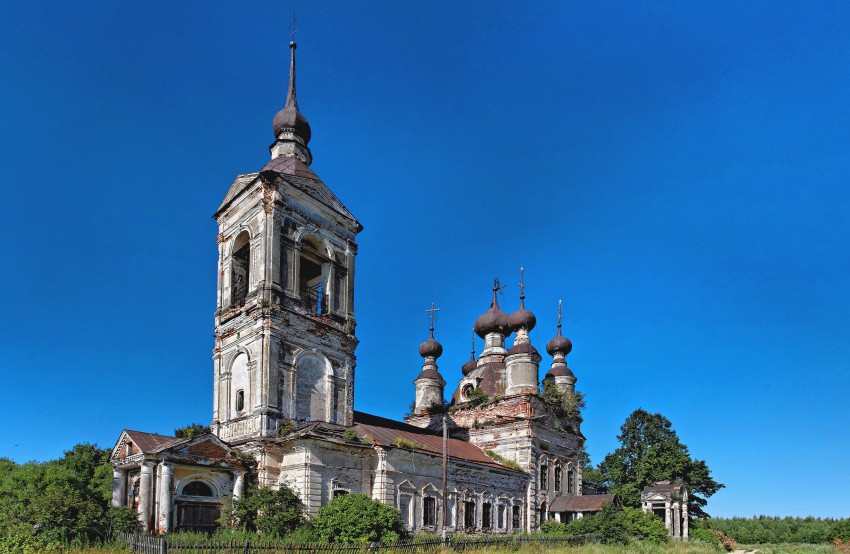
(357, 518)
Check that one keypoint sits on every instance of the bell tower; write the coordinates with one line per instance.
(284, 320)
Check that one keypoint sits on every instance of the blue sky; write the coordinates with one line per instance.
(677, 173)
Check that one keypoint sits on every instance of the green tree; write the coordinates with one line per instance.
(357, 518)
(55, 502)
(266, 511)
(191, 431)
(650, 451)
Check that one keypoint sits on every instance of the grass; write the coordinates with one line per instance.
(633, 548)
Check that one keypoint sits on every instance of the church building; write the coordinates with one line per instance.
(284, 373)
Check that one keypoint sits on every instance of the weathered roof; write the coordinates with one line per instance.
(665, 488)
(150, 443)
(589, 503)
(296, 173)
(389, 433)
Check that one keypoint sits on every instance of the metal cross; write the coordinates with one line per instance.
(560, 306)
(521, 282)
(292, 29)
(433, 315)
(473, 345)
(497, 287)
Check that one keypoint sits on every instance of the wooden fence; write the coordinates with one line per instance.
(144, 544)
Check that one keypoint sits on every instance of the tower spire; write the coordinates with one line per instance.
(291, 130)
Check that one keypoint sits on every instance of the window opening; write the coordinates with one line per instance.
(500, 516)
(240, 270)
(570, 481)
(544, 476)
(197, 488)
(543, 512)
(557, 478)
(515, 513)
(339, 492)
(469, 514)
(240, 400)
(314, 294)
(485, 515)
(429, 511)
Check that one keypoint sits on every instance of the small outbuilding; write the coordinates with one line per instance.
(174, 484)
(570, 508)
(669, 501)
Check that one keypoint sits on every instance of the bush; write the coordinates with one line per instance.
(704, 535)
(122, 520)
(841, 530)
(644, 525)
(266, 511)
(553, 528)
(357, 518)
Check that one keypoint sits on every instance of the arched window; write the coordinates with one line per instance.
(543, 512)
(197, 488)
(558, 478)
(240, 269)
(544, 474)
(240, 400)
(313, 276)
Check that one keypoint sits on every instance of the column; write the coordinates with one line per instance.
(145, 500)
(119, 487)
(677, 521)
(238, 485)
(166, 480)
(685, 521)
(668, 517)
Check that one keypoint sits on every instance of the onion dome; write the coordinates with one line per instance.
(470, 366)
(431, 348)
(493, 320)
(522, 318)
(560, 344)
(289, 117)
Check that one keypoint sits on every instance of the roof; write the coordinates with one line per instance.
(150, 443)
(588, 503)
(664, 488)
(297, 174)
(395, 434)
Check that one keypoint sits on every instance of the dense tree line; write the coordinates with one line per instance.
(766, 529)
(46, 504)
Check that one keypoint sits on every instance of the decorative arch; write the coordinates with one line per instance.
(340, 485)
(195, 483)
(240, 383)
(312, 394)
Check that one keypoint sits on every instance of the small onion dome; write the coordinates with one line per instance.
(289, 117)
(560, 371)
(430, 348)
(523, 348)
(522, 319)
(560, 344)
(493, 320)
(468, 367)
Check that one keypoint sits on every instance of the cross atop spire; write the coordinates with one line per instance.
(433, 315)
(560, 307)
(522, 286)
(292, 29)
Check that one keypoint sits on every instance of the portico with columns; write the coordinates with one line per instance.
(174, 483)
(669, 501)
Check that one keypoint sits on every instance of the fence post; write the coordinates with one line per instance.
(247, 549)
(163, 546)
